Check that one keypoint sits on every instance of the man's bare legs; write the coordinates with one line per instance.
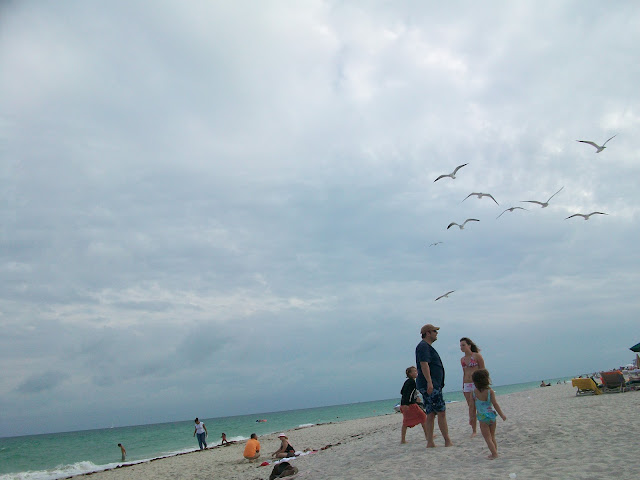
(431, 417)
(444, 428)
(442, 425)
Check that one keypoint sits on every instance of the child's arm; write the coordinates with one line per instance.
(494, 402)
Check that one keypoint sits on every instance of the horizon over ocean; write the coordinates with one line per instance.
(50, 456)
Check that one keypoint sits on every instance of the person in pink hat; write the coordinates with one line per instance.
(285, 450)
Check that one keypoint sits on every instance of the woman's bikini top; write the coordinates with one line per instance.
(472, 363)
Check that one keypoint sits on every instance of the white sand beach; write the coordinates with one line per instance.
(549, 434)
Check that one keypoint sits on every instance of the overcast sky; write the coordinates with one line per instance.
(218, 208)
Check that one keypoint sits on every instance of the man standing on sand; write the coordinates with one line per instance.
(430, 382)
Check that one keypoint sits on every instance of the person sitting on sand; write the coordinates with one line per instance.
(285, 450)
(412, 414)
(542, 384)
(471, 362)
(252, 449)
(485, 399)
(224, 439)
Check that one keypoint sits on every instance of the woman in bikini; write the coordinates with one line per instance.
(471, 362)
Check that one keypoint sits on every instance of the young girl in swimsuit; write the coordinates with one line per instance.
(471, 362)
(485, 400)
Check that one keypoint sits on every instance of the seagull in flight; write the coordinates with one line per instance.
(586, 217)
(463, 223)
(435, 243)
(597, 147)
(543, 204)
(446, 295)
(480, 195)
(511, 209)
(453, 174)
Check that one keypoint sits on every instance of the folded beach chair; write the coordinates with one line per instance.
(586, 386)
(612, 382)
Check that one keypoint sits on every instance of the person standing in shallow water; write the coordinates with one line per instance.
(123, 451)
(430, 383)
(471, 362)
(202, 433)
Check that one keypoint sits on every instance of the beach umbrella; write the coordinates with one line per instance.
(635, 348)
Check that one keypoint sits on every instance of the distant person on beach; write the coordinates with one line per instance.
(252, 448)
(412, 414)
(123, 451)
(202, 433)
(485, 399)
(430, 382)
(471, 362)
(285, 450)
(224, 439)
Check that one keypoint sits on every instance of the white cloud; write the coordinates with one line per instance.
(209, 184)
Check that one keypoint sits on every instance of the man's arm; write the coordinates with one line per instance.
(426, 371)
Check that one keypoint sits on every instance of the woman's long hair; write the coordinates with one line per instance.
(474, 347)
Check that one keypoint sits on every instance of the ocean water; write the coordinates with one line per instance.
(60, 455)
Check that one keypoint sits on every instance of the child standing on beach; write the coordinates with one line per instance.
(412, 414)
(485, 399)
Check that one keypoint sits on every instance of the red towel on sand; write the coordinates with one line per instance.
(413, 415)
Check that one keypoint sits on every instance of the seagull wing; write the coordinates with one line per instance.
(532, 201)
(442, 296)
(468, 196)
(451, 225)
(470, 220)
(503, 213)
(441, 176)
(554, 195)
(459, 167)
(608, 140)
(574, 215)
(491, 197)
(595, 145)
(598, 213)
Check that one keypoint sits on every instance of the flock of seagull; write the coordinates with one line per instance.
(480, 195)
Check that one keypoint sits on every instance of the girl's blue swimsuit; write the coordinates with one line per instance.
(484, 409)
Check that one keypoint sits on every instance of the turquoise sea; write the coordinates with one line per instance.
(60, 455)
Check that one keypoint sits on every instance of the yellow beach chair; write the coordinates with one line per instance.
(613, 382)
(586, 386)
